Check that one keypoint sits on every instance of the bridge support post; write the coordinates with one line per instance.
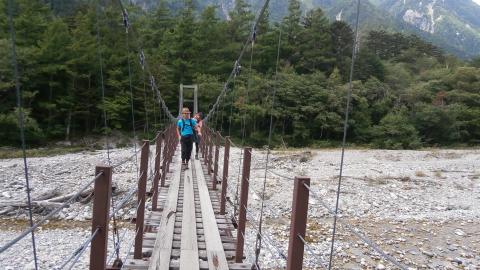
(216, 139)
(226, 161)
(100, 217)
(298, 223)
(156, 178)
(142, 186)
(242, 216)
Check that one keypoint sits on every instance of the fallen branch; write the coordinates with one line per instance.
(43, 200)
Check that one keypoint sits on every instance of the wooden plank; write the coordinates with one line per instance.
(132, 264)
(204, 266)
(203, 255)
(188, 244)
(161, 253)
(215, 253)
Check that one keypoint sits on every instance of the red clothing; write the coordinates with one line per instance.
(199, 126)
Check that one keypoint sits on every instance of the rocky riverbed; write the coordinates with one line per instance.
(420, 207)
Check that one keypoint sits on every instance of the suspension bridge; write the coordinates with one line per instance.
(191, 218)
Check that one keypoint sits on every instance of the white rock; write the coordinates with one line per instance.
(459, 232)
(380, 266)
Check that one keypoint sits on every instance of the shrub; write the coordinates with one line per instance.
(395, 131)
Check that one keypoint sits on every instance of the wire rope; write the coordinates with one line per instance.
(345, 126)
(21, 123)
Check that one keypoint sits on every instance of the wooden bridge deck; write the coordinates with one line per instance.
(187, 232)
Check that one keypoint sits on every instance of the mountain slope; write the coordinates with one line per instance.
(452, 24)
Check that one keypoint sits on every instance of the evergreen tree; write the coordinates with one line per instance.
(183, 51)
(291, 32)
(241, 21)
(315, 44)
(342, 42)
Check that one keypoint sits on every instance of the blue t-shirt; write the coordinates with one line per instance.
(188, 129)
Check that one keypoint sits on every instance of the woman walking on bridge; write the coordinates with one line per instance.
(198, 117)
(186, 131)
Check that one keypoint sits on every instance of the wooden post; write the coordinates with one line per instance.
(142, 186)
(242, 216)
(101, 206)
(226, 161)
(156, 178)
(298, 223)
(215, 163)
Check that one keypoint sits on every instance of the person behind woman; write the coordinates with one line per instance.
(185, 132)
(198, 117)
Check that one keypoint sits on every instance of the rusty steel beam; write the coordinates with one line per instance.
(156, 178)
(242, 216)
(298, 223)
(101, 207)
(142, 186)
(226, 161)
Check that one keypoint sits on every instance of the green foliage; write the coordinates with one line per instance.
(10, 131)
(406, 92)
(395, 131)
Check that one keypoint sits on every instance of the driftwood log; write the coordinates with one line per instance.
(49, 199)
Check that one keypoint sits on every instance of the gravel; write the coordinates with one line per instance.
(422, 207)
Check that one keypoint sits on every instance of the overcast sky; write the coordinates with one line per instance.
(477, 1)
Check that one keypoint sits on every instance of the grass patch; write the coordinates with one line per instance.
(7, 153)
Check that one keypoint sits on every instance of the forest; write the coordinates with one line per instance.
(407, 93)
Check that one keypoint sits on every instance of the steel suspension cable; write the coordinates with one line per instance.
(222, 112)
(21, 124)
(102, 84)
(238, 60)
(47, 217)
(154, 109)
(144, 95)
(231, 106)
(159, 97)
(258, 242)
(246, 100)
(142, 64)
(243, 125)
(79, 251)
(355, 230)
(345, 126)
(127, 41)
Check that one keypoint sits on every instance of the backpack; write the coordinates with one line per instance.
(194, 135)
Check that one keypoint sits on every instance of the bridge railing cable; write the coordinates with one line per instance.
(75, 256)
(320, 260)
(145, 65)
(270, 243)
(21, 124)
(356, 231)
(50, 215)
